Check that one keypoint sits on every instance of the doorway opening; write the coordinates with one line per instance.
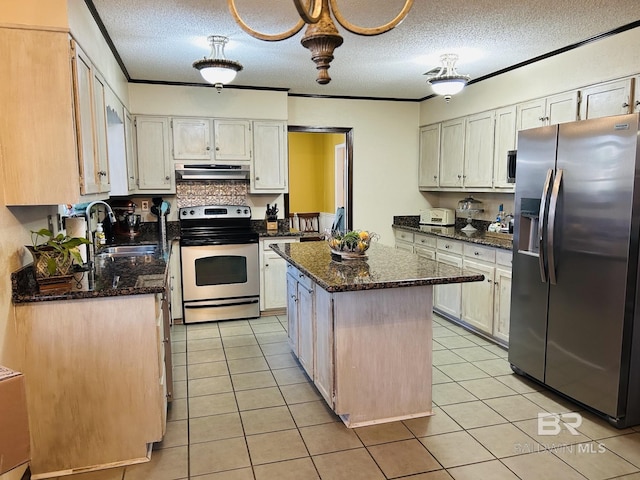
(320, 175)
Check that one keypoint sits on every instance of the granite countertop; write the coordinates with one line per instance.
(112, 276)
(384, 267)
(482, 237)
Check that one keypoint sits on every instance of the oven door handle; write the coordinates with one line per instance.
(211, 305)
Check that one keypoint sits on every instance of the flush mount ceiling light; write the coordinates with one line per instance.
(321, 36)
(448, 81)
(216, 69)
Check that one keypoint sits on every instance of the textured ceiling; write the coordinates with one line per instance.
(158, 40)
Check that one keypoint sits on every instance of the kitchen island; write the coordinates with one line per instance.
(362, 329)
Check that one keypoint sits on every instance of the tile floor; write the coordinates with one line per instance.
(244, 410)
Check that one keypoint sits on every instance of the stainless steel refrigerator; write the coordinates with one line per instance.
(575, 323)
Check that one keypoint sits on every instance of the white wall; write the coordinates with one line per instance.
(385, 154)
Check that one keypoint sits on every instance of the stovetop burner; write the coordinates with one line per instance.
(216, 225)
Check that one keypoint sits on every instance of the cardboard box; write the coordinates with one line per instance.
(14, 424)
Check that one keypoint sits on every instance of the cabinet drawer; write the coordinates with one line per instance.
(422, 240)
(300, 277)
(503, 257)
(486, 254)
(425, 252)
(403, 235)
(450, 246)
(268, 241)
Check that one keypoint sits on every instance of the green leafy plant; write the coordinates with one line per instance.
(55, 253)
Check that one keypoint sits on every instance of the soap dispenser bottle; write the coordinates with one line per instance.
(101, 239)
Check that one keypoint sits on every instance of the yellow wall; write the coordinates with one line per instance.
(311, 171)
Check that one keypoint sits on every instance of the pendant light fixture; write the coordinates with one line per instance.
(216, 69)
(448, 81)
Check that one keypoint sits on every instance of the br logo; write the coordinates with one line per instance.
(551, 423)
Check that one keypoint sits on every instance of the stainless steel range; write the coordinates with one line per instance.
(219, 258)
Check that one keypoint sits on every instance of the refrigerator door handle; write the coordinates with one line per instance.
(541, 224)
(553, 204)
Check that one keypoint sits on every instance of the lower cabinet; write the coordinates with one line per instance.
(175, 281)
(485, 306)
(273, 271)
(106, 371)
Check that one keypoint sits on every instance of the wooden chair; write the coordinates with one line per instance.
(309, 224)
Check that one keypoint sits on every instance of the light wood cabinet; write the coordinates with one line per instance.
(606, 99)
(273, 272)
(43, 172)
(478, 150)
(269, 172)
(155, 169)
(91, 124)
(452, 150)
(504, 140)
(89, 384)
(191, 138)
(429, 161)
(232, 140)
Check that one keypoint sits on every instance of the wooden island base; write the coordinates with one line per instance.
(368, 352)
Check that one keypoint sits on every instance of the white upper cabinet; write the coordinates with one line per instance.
(232, 140)
(478, 150)
(452, 152)
(636, 94)
(130, 146)
(269, 169)
(429, 163)
(504, 140)
(613, 98)
(117, 144)
(192, 138)
(552, 110)
(155, 168)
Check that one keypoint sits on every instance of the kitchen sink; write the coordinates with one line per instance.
(128, 250)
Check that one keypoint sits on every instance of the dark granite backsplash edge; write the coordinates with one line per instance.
(414, 222)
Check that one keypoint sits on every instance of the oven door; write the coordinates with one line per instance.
(220, 282)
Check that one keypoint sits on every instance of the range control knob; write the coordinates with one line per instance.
(238, 211)
(246, 211)
(192, 212)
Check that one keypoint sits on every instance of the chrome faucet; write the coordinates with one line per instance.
(109, 214)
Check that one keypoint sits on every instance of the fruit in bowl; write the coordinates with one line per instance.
(354, 242)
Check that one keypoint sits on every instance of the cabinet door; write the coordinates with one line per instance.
(636, 94)
(606, 99)
(504, 140)
(269, 172)
(292, 313)
(176, 282)
(446, 298)
(274, 274)
(429, 162)
(83, 82)
(478, 150)
(502, 304)
(477, 297)
(129, 139)
(232, 140)
(407, 247)
(100, 126)
(561, 108)
(323, 367)
(191, 138)
(531, 114)
(425, 252)
(306, 328)
(452, 153)
(154, 164)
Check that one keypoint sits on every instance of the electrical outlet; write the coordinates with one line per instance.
(145, 205)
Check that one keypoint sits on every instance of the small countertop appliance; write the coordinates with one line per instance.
(443, 217)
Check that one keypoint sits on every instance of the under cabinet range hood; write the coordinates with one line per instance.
(212, 171)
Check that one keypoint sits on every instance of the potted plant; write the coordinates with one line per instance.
(54, 255)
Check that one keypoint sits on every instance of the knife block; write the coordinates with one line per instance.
(272, 225)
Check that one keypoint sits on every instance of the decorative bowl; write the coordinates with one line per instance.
(351, 245)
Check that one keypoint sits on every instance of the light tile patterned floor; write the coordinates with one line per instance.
(245, 410)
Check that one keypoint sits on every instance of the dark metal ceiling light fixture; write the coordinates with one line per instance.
(216, 69)
(321, 36)
(448, 81)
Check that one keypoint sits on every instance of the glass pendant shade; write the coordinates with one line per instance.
(216, 69)
(448, 81)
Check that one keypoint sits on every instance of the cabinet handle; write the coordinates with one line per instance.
(217, 149)
(476, 253)
(266, 265)
(625, 105)
(208, 148)
(637, 103)
(489, 281)
(435, 177)
(446, 246)
(257, 178)
(459, 176)
(541, 119)
(167, 177)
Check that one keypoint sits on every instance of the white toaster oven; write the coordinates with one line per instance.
(438, 216)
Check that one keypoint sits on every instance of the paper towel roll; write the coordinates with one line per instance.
(77, 227)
